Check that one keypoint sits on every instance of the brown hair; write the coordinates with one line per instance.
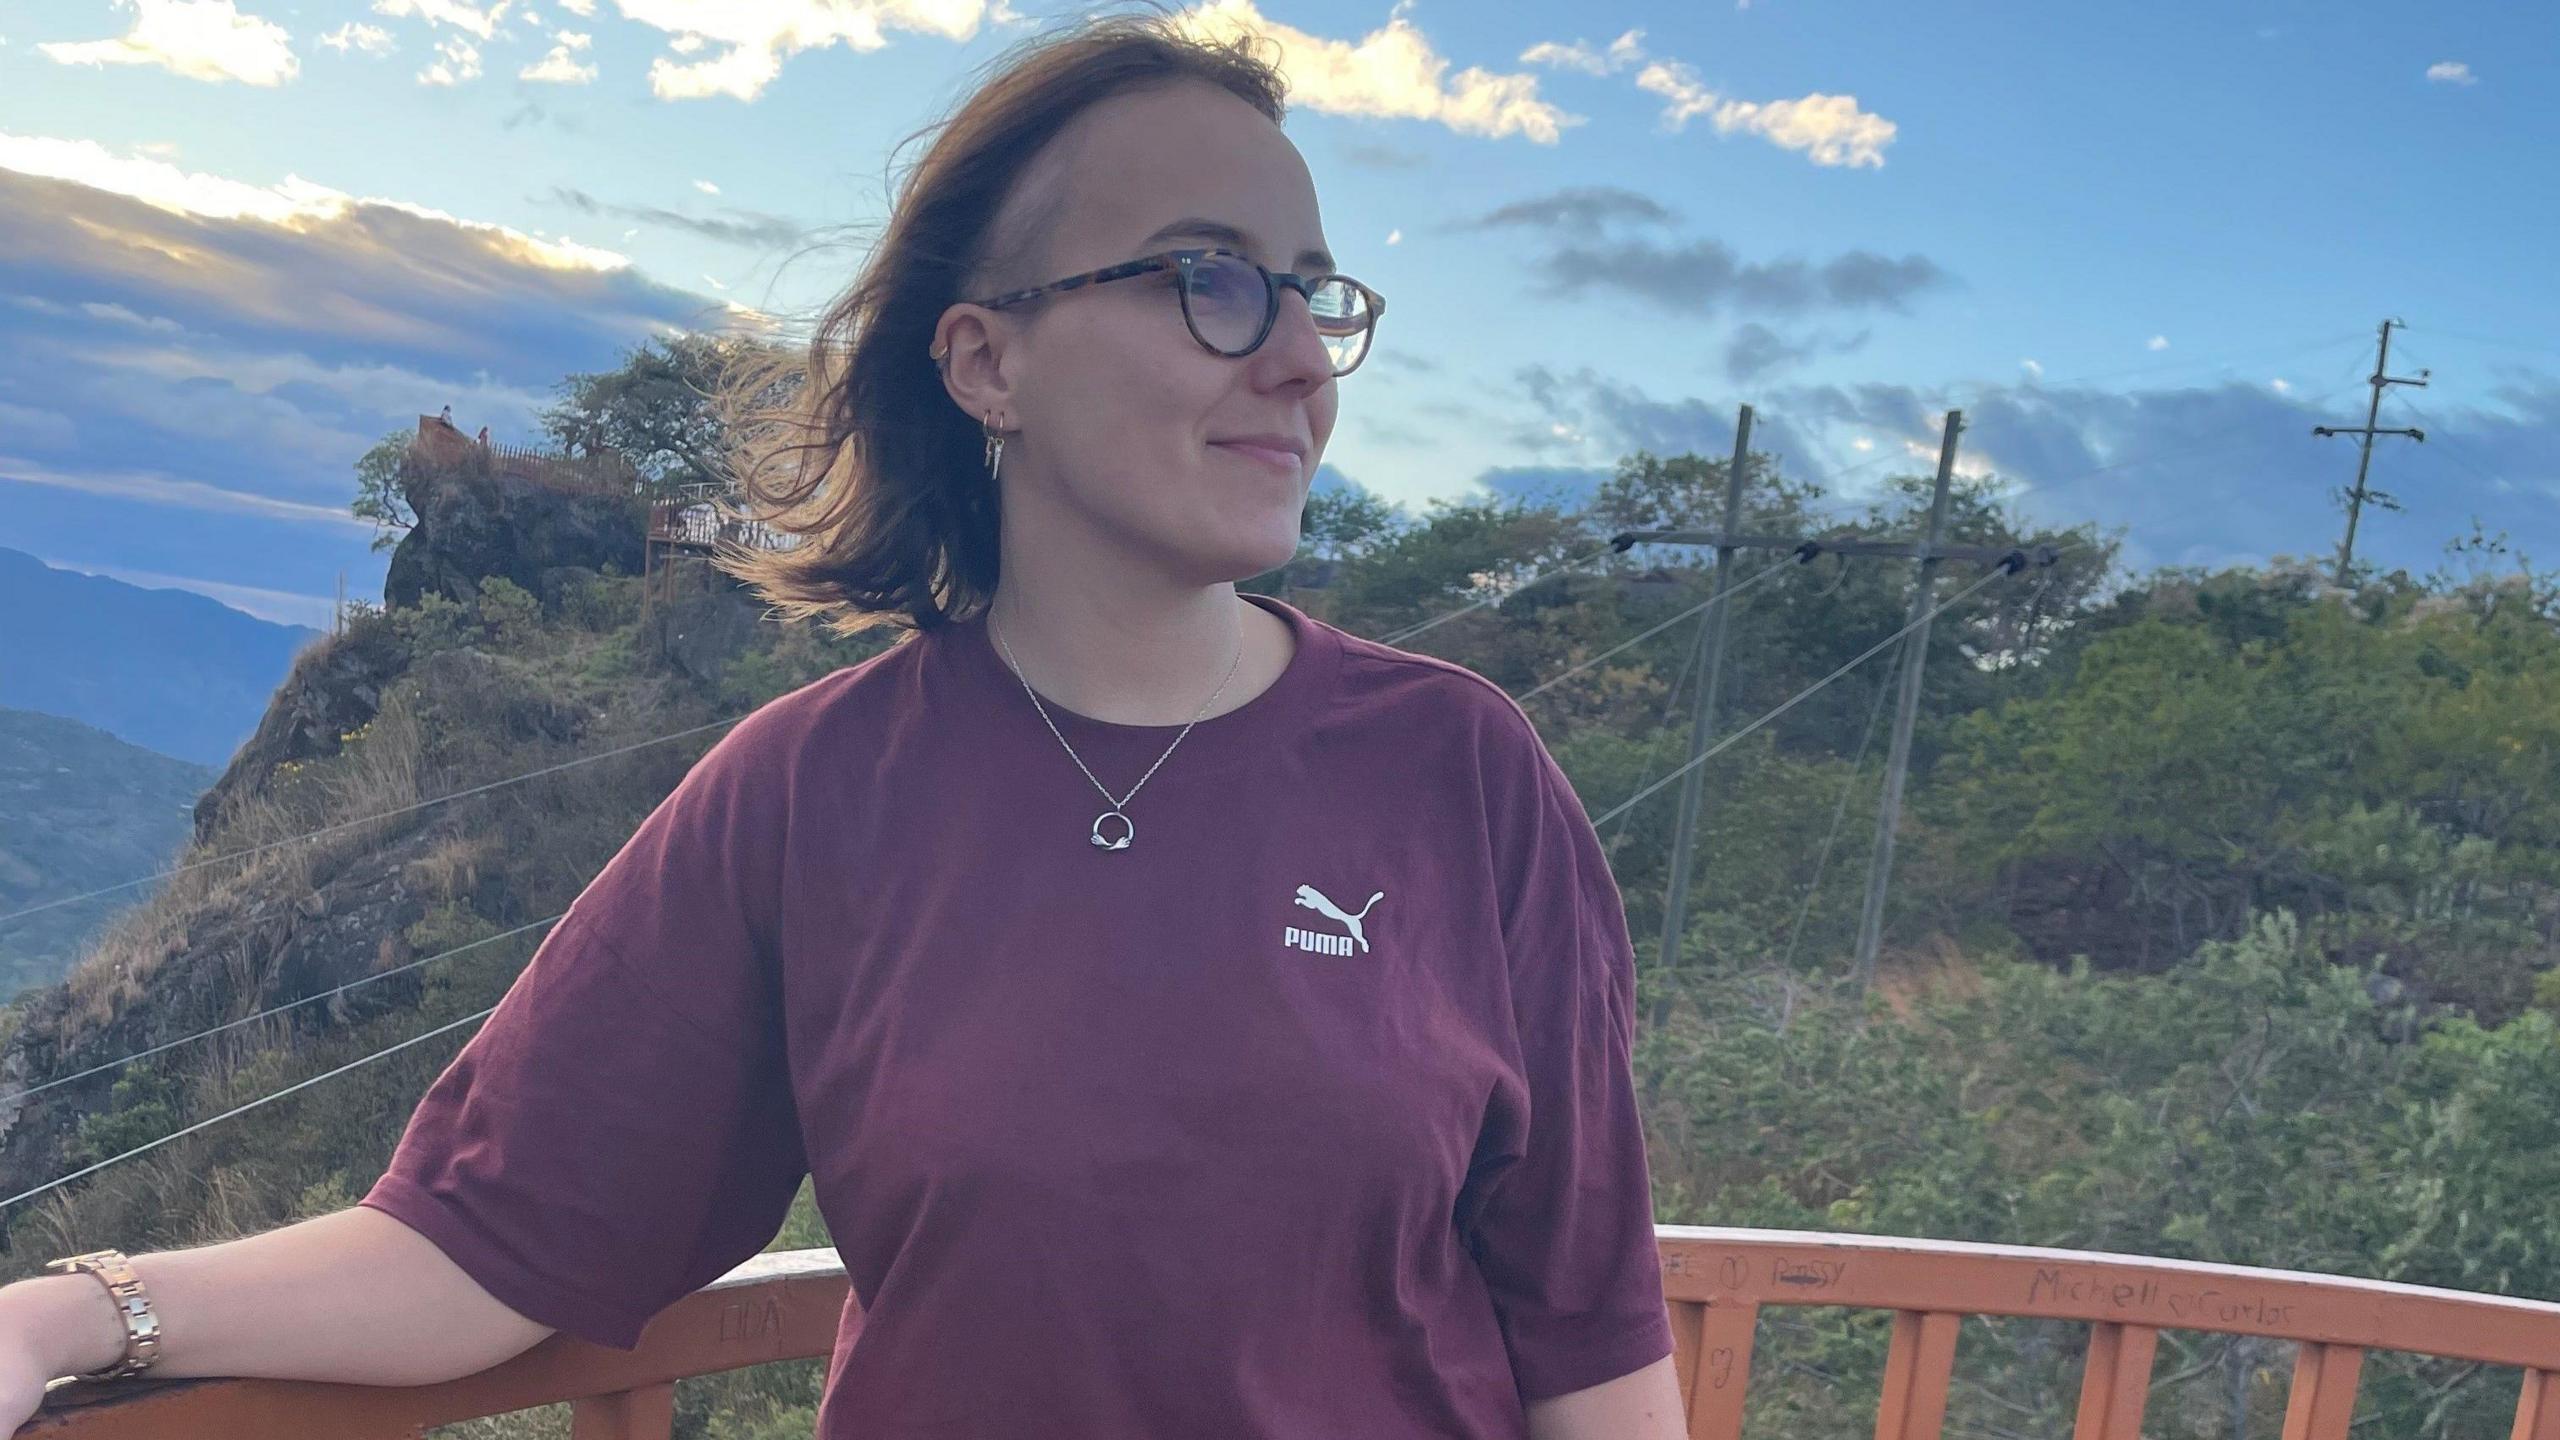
(856, 448)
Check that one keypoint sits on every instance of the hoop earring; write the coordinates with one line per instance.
(995, 445)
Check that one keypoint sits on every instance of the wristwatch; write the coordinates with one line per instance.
(141, 1326)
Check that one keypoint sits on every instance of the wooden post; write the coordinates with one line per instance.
(1915, 651)
(1702, 720)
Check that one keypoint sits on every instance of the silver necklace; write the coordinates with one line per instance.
(1128, 827)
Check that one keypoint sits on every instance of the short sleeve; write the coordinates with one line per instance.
(1563, 1228)
(620, 1131)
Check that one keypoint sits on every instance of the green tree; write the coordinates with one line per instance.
(658, 409)
(379, 496)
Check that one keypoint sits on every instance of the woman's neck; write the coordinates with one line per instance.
(1118, 654)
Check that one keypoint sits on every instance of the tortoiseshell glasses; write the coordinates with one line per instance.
(1230, 301)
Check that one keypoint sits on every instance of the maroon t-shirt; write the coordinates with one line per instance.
(1308, 1114)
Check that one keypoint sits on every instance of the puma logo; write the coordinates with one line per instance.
(1327, 944)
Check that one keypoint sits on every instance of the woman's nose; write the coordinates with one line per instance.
(1295, 343)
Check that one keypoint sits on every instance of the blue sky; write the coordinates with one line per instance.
(2145, 247)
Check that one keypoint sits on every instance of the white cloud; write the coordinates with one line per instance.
(559, 67)
(1391, 72)
(2282, 386)
(2033, 367)
(200, 39)
(371, 39)
(294, 202)
(1677, 83)
(709, 279)
(579, 7)
(761, 36)
(1395, 237)
(2452, 72)
(50, 429)
(1623, 51)
(1830, 129)
(285, 607)
(156, 489)
(124, 316)
(2157, 342)
(457, 60)
(706, 187)
(480, 21)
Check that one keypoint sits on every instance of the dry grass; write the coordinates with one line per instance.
(451, 869)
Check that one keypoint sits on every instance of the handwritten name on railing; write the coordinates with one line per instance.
(2152, 1299)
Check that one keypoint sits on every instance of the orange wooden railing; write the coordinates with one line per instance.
(785, 1306)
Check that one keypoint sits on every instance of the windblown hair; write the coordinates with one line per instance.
(856, 448)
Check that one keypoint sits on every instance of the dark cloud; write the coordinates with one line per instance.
(752, 229)
(1756, 350)
(200, 386)
(1581, 210)
(1698, 276)
(1704, 276)
(1565, 487)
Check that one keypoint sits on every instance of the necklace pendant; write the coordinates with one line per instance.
(1128, 831)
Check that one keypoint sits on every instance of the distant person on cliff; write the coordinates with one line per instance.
(1289, 1098)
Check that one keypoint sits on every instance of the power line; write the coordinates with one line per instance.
(1808, 692)
(1399, 637)
(278, 1009)
(241, 1109)
(368, 819)
(1698, 609)
(1839, 813)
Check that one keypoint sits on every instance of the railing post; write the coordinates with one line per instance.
(1719, 1366)
(648, 1413)
(2115, 1381)
(1917, 1369)
(2538, 1408)
(2324, 1391)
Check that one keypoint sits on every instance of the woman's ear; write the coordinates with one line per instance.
(973, 354)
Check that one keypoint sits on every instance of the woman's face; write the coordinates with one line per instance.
(1119, 407)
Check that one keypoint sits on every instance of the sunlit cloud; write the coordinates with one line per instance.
(354, 35)
(560, 66)
(2452, 72)
(457, 60)
(1393, 72)
(480, 20)
(200, 39)
(1829, 129)
(759, 37)
(293, 202)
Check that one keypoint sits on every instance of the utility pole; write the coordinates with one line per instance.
(1915, 653)
(1702, 721)
(2356, 497)
(1712, 635)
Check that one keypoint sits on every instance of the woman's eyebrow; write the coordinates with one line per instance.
(1226, 234)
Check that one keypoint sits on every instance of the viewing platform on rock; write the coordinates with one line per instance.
(1723, 1285)
(440, 445)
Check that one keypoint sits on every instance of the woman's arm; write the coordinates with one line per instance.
(1640, 1405)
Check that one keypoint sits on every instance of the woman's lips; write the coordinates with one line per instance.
(1281, 459)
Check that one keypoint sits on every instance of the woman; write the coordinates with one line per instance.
(1279, 1089)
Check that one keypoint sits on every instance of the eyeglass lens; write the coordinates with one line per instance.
(1228, 300)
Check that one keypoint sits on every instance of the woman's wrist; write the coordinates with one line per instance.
(68, 1324)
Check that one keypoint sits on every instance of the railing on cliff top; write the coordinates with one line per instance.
(439, 446)
(785, 1306)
